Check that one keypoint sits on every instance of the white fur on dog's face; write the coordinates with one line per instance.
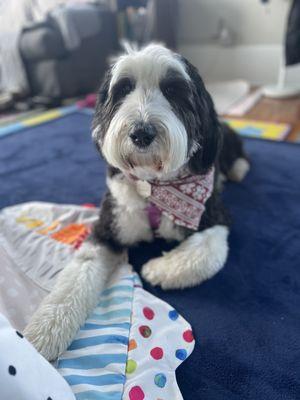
(146, 104)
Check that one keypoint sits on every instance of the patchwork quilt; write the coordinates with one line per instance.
(130, 345)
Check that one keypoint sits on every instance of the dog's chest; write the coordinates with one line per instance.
(133, 216)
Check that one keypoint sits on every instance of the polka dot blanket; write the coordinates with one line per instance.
(129, 347)
(24, 373)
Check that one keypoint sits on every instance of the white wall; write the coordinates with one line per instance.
(258, 32)
(259, 65)
(250, 20)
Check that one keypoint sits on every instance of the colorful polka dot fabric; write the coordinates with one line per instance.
(160, 340)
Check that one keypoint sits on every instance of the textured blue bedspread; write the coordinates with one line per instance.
(246, 319)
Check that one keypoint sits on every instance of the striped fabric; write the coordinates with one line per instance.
(94, 365)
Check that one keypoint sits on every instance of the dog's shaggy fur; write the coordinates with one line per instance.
(154, 119)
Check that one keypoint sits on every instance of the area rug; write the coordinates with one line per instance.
(246, 319)
(19, 123)
(260, 129)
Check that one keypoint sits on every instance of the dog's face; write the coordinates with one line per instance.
(154, 116)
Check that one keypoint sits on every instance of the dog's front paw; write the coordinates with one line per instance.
(50, 331)
(160, 271)
(154, 271)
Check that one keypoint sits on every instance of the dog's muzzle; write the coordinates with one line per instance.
(143, 135)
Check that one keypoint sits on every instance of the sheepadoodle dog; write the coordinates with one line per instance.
(156, 126)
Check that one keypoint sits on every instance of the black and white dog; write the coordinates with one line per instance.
(156, 126)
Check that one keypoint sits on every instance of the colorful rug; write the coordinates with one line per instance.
(260, 129)
(14, 117)
(38, 118)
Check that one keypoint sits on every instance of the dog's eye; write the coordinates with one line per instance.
(122, 89)
(169, 91)
(174, 88)
(126, 89)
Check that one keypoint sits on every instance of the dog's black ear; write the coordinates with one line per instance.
(100, 117)
(208, 132)
(102, 97)
(104, 88)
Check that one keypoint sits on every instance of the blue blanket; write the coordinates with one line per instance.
(246, 319)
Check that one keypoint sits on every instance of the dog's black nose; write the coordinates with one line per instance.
(143, 135)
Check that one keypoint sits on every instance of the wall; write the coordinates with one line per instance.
(251, 21)
(258, 33)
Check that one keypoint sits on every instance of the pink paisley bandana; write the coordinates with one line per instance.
(182, 200)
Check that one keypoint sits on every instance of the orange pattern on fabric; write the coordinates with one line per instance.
(73, 234)
(49, 228)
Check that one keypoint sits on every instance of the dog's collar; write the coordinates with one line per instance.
(181, 199)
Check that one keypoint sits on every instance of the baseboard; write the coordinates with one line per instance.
(258, 64)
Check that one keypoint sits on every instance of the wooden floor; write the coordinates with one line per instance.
(287, 111)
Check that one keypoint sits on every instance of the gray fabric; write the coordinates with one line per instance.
(42, 42)
(57, 72)
(76, 22)
(14, 16)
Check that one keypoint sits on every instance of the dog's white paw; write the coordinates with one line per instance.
(50, 331)
(239, 170)
(166, 272)
(195, 260)
(154, 271)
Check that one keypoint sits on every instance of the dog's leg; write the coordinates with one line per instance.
(234, 163)
(239, 170)
(74, 295)
(196, 259)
